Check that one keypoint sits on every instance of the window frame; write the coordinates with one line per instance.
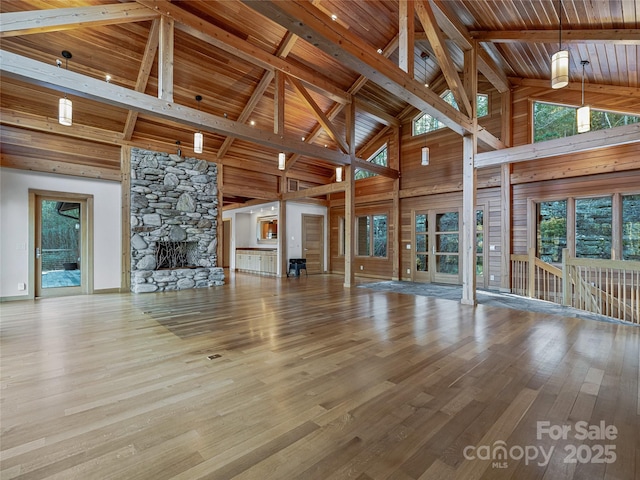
(371, 244)
(440, 125)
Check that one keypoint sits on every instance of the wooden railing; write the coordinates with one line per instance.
(607, 287)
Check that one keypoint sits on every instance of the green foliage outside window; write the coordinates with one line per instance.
(379, 158)
(558, 121)
(631, 227)
(552, 230)
(426, 123)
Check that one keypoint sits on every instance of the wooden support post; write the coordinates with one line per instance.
(566, 281)
(282, 233)
(219, 224)
(469, 185)
(125, 188)
(394, 161)
(532, 272)
(349, 226)
(505, 198)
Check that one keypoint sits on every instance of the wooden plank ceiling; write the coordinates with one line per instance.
(230, 54)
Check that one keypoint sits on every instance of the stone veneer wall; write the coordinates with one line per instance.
(173, 199)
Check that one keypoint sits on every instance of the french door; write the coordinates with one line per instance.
(61, 245)
(436, 239)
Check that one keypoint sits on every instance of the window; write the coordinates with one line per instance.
(558, 121)
(426, 123)
(341, 236)
(593, 227)
(631, 227)
(371, 235)
(552, 230)
(379, 158)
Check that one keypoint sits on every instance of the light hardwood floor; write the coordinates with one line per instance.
(314, 381)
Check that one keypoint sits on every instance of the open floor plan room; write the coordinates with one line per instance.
(276, 378)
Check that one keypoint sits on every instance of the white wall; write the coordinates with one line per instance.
(244, 223)
(14, 226)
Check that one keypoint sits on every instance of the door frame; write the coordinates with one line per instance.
(322, 242)
(86, 231)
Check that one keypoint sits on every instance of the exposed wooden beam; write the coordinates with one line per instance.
(49, 76)
(436, 39)
(613, 36)
(51, 125)
(333, 112)
(209, 33)
(283, 50)
(375, 168)
(315, 191)
(588, 87)
(60, 168)
(406, 36)
(165, 59)
(143, 74)
(562, 146)
(319, 114)
(278, 103)
(249, 191)
(52, 20)
(376, 113)
(345, 47)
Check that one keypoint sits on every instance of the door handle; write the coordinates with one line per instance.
(38, 254)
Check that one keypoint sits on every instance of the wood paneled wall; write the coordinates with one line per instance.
(46, 152)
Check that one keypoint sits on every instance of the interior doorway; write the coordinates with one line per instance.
(226, 243)
(313, 242)
(61, 244)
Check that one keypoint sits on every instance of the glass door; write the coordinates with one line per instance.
(421, 242)
(59, 242)
(446, 247)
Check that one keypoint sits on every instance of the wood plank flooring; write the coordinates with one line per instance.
(313, 381)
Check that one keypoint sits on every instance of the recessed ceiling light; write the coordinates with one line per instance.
(379, 50)
(108, 78)
(303, 139)
(252, 122)
(334, 17)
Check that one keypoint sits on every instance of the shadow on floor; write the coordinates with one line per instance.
(486, 297)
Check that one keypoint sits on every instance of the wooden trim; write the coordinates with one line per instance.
(616, 227)
(406, 41)
(315, 191)
(577, 86)
(60, 168)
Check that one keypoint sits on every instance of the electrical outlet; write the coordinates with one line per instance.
(492, 277)
(361, 267)
(492, 248)
(408, 246)
(408, 271)
(22, 286)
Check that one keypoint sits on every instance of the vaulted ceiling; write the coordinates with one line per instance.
(244, 57)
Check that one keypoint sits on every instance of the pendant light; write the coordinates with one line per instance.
(584, 112)
(425, 156)
(198, 139)
(560, 60)
(65, 107)
(338, 174)
(282, 161)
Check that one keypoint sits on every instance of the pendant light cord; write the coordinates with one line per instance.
(560, 20)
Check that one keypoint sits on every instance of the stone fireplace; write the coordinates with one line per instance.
(174, 209)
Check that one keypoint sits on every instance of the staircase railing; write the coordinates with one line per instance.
(607, 287)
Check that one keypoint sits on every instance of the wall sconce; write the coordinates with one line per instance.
(560, 60)
(198, 139)
(425, 156)
(338, 174)
(65, 107)
(282, 161)
(584, 112)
